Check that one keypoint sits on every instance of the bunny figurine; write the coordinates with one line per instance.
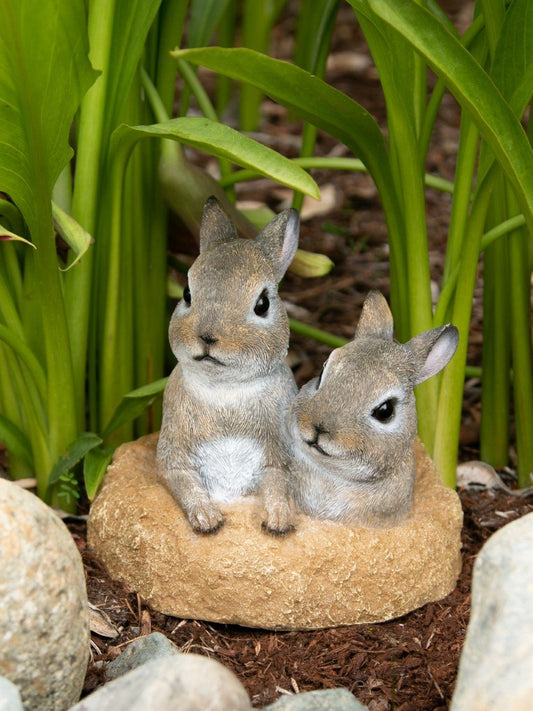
(353, 428)
(224, 433)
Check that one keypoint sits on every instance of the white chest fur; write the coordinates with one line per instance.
(230, 467)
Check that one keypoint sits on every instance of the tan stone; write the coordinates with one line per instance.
(325, 574)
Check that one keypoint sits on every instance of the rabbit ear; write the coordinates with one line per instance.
(376, 317)
(279, 240)
(433, 350)
(215, 227)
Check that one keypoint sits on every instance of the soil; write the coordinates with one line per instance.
(408, 664)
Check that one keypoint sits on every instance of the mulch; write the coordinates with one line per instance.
(407, 664)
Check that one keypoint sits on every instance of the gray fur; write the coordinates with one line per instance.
(361, 471)
(231, 410)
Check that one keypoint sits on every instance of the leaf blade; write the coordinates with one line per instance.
(224, 142)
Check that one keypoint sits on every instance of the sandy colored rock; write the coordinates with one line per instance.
(325, 574)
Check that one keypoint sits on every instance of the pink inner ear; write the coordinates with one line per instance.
(439, 354)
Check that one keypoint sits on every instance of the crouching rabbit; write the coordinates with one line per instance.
(353, 428)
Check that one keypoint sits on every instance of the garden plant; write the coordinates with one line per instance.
(83, 317)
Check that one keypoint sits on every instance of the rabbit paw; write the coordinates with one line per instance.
(278, 520)
(206, 518)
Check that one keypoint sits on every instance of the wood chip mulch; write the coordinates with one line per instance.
(407, 664)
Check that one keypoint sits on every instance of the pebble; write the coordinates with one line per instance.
(495, 670)
(139, 652)
(44, 618)
(9, 696)
(189, 682)
(325, 700)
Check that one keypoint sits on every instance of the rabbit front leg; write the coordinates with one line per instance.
(278, 509)
(181, 480)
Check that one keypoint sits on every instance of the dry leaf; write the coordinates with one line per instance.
(100, 623)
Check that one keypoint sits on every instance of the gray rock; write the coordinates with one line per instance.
(141, 651)
(325, 700)
(495, 670)
(44, 619)
(188, 682)
(9, 696)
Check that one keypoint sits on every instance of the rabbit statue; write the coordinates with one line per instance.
(223, 433)
(353, 428)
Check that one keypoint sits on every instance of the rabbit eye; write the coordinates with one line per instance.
(384, 412)
(262, 304)
(187, 296)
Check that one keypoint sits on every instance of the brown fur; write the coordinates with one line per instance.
(346, 464)
(228, 410)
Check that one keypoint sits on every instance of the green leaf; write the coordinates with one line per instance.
(471, 86)
(15, 441)
(223, 142)
(21, 349)
(94, 467)
(74, 454)
(311, 99)
(205, 16)
(42, 51)
(7, 236)
(134, 404)
(72, 232)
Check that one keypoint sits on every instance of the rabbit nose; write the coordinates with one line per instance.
(319, 430)
(208, 339)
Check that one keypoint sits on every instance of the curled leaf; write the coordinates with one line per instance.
(8, 236)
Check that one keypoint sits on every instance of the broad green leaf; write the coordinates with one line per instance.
(15, 441)
(471, 86)
(223, 142)
(44, 72)
(72, 232)
(310, 98)
(94, 467)
(134, 404)
(74, 454)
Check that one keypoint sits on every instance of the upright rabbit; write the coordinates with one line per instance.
(224, 412)
(353, 428)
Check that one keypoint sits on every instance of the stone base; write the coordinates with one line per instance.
(323, 575)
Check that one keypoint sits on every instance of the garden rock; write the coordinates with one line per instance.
(44, 619)
(495, 669)
(188, 682)
(141, 651)
(323, 575)
(325, 700)
(9, 696)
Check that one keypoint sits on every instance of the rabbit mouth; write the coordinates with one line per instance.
(210, 358)
(314, 444)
